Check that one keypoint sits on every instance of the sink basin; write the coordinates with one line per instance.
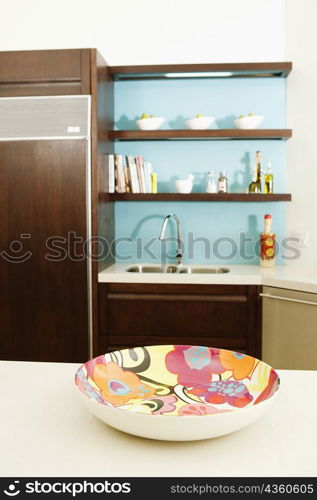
(152, 269)
(204, 270)
(177, 269)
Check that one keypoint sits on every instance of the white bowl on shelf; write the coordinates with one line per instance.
(249, 122)
(184, 185)
(201, 123)
(153, 123)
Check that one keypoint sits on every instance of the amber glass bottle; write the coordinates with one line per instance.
(267, 255)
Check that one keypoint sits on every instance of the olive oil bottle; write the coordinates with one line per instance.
(268, 180)
(256, 184)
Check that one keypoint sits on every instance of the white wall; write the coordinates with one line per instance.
(301, 48)
(149, 31)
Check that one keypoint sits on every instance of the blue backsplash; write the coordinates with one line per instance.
(178, 100)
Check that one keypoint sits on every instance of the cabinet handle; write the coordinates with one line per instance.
(287, 299)
(171, 297)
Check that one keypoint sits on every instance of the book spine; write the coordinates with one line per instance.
(138, 167)
(154, 182)
(116, 174)
(148, 170)
(120, 174)
(133, 175)
(126, 175)
(109, 174)
(140, 164)
(143, 176)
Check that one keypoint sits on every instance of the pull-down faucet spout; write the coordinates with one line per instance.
(179, 252)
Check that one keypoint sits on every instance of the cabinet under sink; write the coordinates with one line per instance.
(139, 314)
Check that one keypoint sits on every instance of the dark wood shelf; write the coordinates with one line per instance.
(187, 135)
(246, 197)
(225, 70)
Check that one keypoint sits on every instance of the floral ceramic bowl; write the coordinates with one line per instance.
(177, 392)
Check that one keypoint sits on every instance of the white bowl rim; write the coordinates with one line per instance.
(150, 118)
(201, 118)
(250, 117)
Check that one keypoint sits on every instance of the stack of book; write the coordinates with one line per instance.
(129, 174)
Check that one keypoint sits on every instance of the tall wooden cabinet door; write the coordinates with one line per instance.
(43, 271)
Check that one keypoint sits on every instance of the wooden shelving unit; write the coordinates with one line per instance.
(187, 135)
(194, 71)
(225, 70)
(232, 197)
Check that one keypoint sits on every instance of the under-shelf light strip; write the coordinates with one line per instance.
(212, 74)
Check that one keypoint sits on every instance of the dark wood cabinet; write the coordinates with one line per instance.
(43, 293)
(52, 186)
(134, 314)
(45, 72)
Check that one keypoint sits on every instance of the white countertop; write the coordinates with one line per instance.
(290, 277)
(45, 430)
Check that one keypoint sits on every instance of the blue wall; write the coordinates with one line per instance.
(180, 99)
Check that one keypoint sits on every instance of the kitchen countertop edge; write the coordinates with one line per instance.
(288, 277)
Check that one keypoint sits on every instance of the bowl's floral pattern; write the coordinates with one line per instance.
(224, 391)
(177, 380)
(118, 386)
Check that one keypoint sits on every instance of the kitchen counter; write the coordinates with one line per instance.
(289, 277)
(47, 431)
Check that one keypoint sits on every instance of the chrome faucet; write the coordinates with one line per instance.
(179, 252)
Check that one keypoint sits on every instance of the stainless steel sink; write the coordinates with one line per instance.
(204, 270)
(152, 269)
(177, 269)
